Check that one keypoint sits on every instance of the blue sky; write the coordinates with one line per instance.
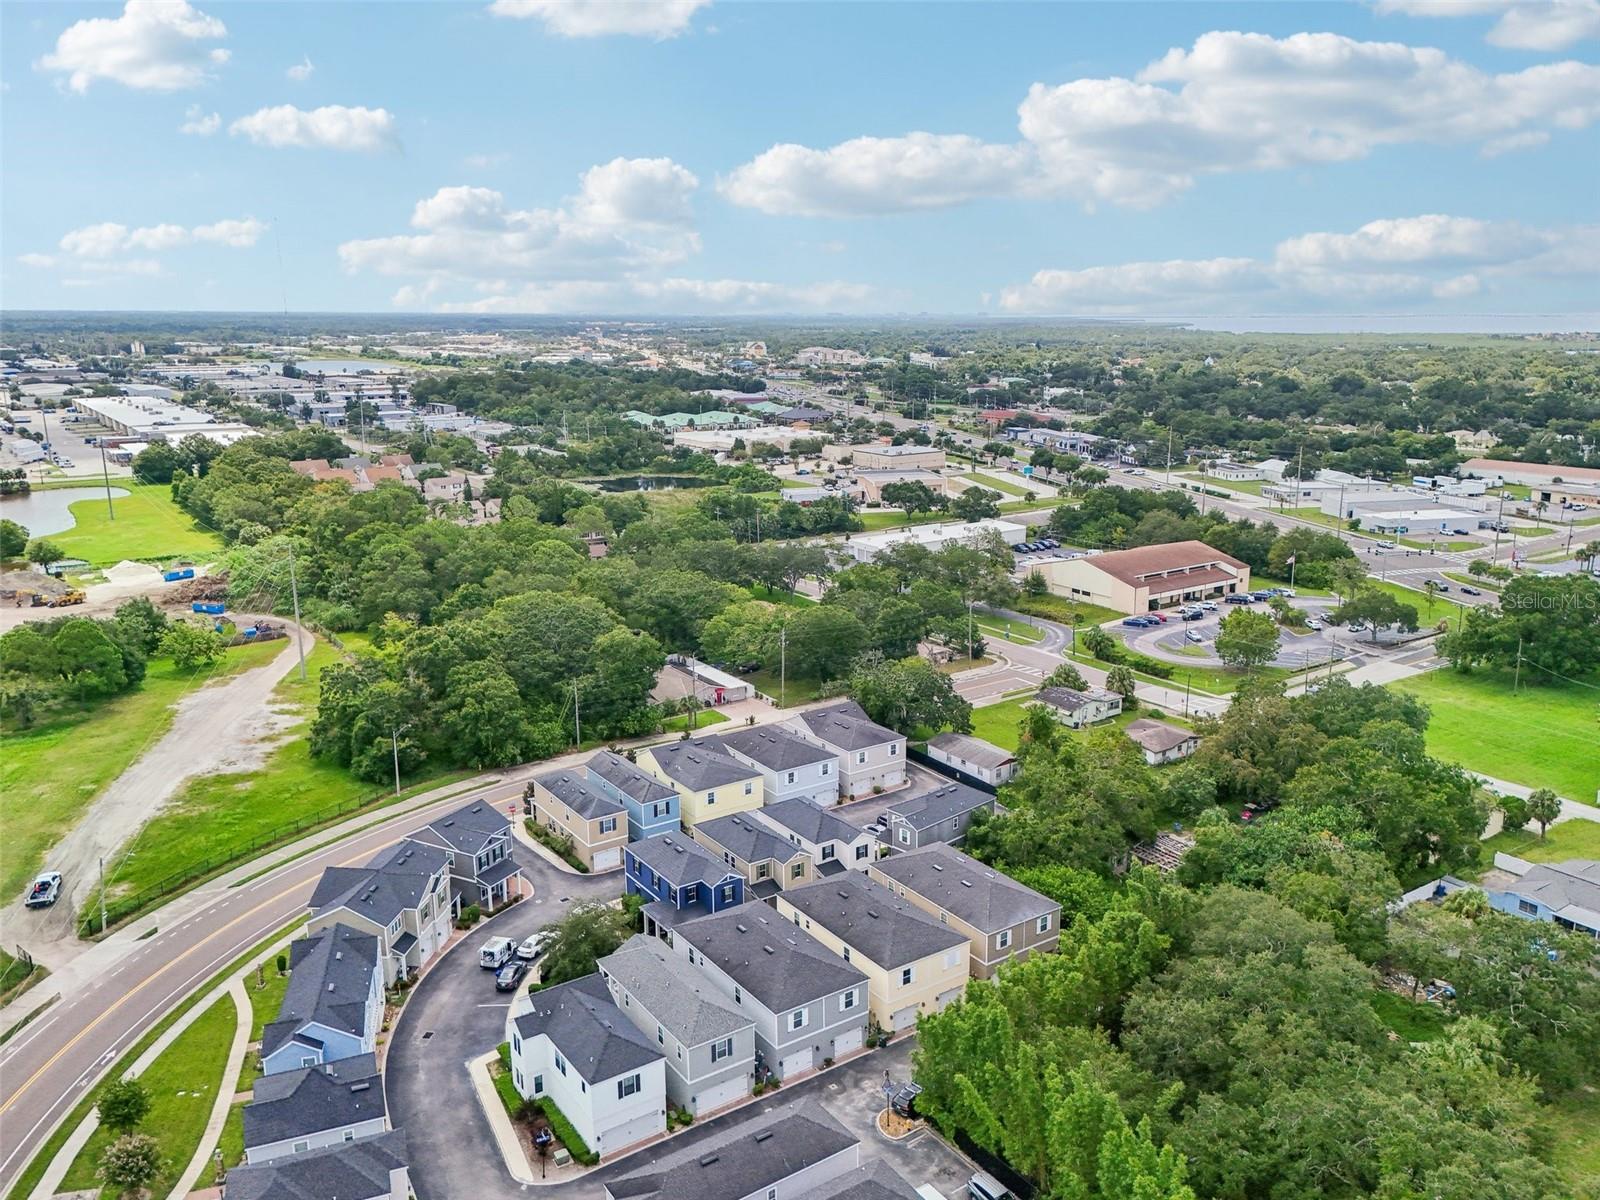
(684, 156)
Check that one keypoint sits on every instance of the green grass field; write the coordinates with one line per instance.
(1012, 631)
(148, 526)
(1574, 1123)
(796, 691)
(705, 718)
(1067, 612)
(760, 591)
(50, 773)
(223, 817)
(999, 723)
(1414, 1021)
(1428, 611)
(17, 976)
(998, 485)
(1570, 839)
(183, 1084)
(1539, 737)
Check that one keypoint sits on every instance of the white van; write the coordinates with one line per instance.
(984, 1186)
(496, 952)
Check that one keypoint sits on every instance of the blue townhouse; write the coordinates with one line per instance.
(680, 880)
(652, 805)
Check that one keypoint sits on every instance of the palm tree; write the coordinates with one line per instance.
(1591, 553)
(1432, 588)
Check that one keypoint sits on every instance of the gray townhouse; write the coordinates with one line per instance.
(807, 1003)
(402, 897)
(709, 1044)
(375, 1169)
(333, 1005)
(941, 815)
(1003, 919)
(871, 757)
(477, 839)
(308, 1109)
(792, 767)
(769, 863)
(832, 842)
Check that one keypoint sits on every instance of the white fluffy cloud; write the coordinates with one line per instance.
(199, 123)
(155, 45)
(601, 18)
(1388, 261)
(331, 127)
(1232, 102)
(1521, 24)
(101, 244)
(301, 71)
(609, 247)
(872, 175)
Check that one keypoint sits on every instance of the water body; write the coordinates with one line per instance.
(653, 483)
(45, 512)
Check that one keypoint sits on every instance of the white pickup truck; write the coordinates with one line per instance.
(44, 891)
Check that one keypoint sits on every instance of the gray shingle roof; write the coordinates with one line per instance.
(330, 984)
(876, 1180)
(960, 884)
(590, 1031)
(775, 961)
(350, 1171)
(310, 1100)
(1570, 889)
(700, 764)
(747, 838)
(1157, 736)
(775, 748)
(679, 860)
(872, 920)
(750, 1157)
(471, 827)
(627, 778)
(578, 794)
(951, 800)
(975, 750)
(1071, 700)
(846, 726)
(672, 991)
(809, 821)
(395, 880)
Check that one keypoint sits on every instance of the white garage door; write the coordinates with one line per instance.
(794, 1064)
(716, 1096)
(618, 1137)
(607, 860)
(906, 1018)
(947, 997)
(845, 1043)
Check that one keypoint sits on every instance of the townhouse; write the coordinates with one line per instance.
(595, 822)
(652, 806)
(477, 840)
(572, 1044)
(402, 896)
(708, 1044)
(709, 781)
(792, 767)
(293, 1112)
(374, 1169)
(767, 862)
(1002, 919)
(871, 757)
(807, 1003)
(333, 1005)
(941, 815)
(832, 842)
(973, 757)
(912, 962)
(680, 879)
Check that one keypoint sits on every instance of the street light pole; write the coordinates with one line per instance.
(105, 475)
(299, 634)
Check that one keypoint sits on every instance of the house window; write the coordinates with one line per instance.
(661, 1036)
(308, 1062)
(862, 852)
(1043, 925)
(789, 778)
(538, 1085)
(628, 1087)
(907, 974)
(727, 893)
(691, 956)
(844, 950)
(847, 1000)
(955, 824)
(349, 1135)
(583, 1086)
(827, 852)
(772, 1194)
(861, 758)
(798, 870)
(711, 797)
(905, 835)
(894, 749)
(516, 1043)
(763, 871)
(799, 1019)
(721, 1050)
(608, 824)
(561, 1064)
(749, 788)
(301, 1147)
(738, 996)
(691, 894)
(827, 769)
(1004, 939)
(1527, 906)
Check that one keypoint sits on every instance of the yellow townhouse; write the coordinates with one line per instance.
(709, 781)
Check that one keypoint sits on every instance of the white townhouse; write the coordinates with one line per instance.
(791, 766)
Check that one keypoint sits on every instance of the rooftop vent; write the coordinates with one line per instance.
(937, 867)
(360, 1087)
(330, 988)
(709, 1159)
(740, 926)
(763, 1135)
(966, 883)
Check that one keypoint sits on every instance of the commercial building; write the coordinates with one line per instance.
(1536, 476)
(913, 963)
(880, 456)
(1149, 577)
(715, 441)
(155, 420)
(864, 547)
(1059, 441)
(1003, 920)
(871, 483)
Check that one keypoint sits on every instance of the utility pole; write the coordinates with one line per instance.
(577, 724)
(1499, 520)
(1169, 455)
(394, 746)
(970, 603)
(111, 512)
(299, 634)
(102, 895)
(783, 666)
(1516, 679)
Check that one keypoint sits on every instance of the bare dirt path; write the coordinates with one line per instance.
(227, 726)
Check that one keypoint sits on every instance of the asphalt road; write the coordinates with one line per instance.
(45, 1068)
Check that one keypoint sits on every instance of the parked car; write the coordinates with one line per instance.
(1314, 625)
(496, 952)
(984, 1186)
(1135, 470)
(534, 947)
(1191, 614)
(1191, 635)
(1136, 622)
(1386, 546)
(1158, 618)
(509, 976)
(45, 890)
(1468, 590)
(1208, 605)
(1462, 532)
(1050, 543)
(1241, 598)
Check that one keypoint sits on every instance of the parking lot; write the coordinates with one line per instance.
(1297, 648)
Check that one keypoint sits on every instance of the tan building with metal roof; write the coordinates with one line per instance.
(1148, 577)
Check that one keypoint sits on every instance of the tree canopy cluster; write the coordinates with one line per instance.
(45, 665)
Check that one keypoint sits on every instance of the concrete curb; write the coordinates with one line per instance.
(224, 1102)
(505, 1136)
(524, 838)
